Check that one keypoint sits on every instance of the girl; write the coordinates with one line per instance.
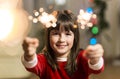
(62, 58)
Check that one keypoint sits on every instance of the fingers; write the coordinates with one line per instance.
(30, 45)
(94, 51)
(95, 55)
(31, 42)
(94, 47)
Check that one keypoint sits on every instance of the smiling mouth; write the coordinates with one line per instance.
(61, 46)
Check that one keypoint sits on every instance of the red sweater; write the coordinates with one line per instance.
(44, 71)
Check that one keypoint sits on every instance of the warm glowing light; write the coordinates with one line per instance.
(41, 10)
(45, 18)
(35, 20)
(86, 18)
(6, 23)
(89, 24)
(36, 13)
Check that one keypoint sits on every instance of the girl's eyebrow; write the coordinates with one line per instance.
(52, 31)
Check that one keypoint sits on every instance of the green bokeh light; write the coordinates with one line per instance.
(95, 30)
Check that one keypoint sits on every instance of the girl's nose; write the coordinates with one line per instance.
(62, 37)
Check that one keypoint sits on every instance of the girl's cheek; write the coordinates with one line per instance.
(53, 39)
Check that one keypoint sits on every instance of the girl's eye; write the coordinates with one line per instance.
(55, 33)
(68, 33)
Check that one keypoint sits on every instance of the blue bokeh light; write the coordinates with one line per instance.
(93, 41)
(89, 10)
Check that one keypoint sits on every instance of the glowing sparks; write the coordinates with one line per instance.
(36, 13)
(46, 19)
(86, 19)
(6, 23)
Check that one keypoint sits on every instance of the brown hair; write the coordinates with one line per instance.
(67, 20)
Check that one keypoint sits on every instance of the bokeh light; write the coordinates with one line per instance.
(89, 10)
(95, 30)
(6, 23)
(86, 18)
(48, 20)
(13, 22)
(93, 41)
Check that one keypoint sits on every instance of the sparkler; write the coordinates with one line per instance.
(86, 19)
(45, 18)
(13, 20)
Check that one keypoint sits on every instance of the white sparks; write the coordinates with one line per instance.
(84, 18)
(46, 19)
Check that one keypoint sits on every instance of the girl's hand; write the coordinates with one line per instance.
(29, 46)
(94, 53)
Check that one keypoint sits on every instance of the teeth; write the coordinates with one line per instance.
(61, 45)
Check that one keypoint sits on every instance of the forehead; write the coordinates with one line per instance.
(62, 28)
(60, 31)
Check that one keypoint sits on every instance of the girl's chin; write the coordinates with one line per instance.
(61, 52)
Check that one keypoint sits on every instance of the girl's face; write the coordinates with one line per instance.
(61, 42)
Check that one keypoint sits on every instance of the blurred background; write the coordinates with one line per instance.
(15, 25)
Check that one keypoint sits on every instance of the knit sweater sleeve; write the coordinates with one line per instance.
(83, 62)
(37, 65)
